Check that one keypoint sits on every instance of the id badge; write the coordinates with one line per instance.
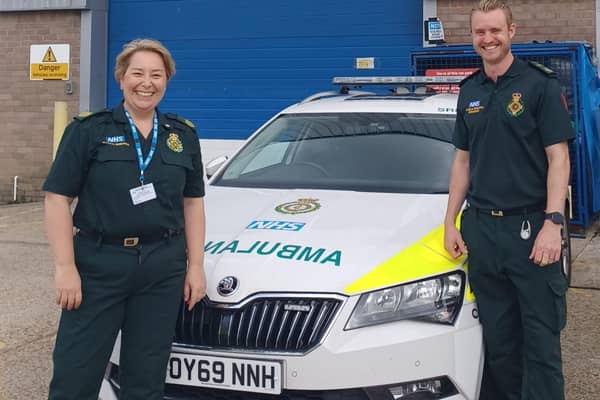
(142, 194)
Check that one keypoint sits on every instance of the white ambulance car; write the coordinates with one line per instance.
(327, 276)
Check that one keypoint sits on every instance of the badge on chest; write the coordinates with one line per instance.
(142, 194)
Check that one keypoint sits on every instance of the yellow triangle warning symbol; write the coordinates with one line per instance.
(49, 56)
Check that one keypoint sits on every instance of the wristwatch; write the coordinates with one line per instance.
(556, 218)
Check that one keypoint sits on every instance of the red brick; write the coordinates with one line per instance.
(536, 20)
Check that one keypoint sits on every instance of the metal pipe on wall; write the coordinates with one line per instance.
(15, 182)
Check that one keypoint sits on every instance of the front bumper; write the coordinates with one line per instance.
(368, 363)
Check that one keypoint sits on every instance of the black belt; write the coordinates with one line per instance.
(512, 211)
(130, 241)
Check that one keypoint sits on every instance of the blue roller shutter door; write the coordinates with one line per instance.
(239, 61)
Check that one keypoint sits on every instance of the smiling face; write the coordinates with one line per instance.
(492, 37)
(144, 82)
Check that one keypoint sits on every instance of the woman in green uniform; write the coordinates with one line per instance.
(137, 174)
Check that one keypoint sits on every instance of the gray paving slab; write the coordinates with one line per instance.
(586, 259)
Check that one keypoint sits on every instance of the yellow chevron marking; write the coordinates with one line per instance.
(425, 258)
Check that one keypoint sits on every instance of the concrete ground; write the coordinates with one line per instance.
(28, 315)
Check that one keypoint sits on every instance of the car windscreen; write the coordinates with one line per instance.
(375, 152)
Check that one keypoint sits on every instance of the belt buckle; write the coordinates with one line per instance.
(131, 241)
(497, 213)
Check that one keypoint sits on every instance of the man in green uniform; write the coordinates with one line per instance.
(512, 167)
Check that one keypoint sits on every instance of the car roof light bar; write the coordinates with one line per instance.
(344, 90)
(397, 80)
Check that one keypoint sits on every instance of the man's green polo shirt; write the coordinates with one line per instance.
(505, 127)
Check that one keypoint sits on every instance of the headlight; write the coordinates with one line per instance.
(435, 299)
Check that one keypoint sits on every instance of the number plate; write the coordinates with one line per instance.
(224, 373)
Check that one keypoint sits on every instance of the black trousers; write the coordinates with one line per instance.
(522, 307)
(134, 290)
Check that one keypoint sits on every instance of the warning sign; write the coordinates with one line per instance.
(448, 72)
(49, 62)
(49, 56)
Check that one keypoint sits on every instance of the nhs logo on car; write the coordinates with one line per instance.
(276, 225)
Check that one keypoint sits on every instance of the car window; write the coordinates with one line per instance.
(266, 149)
(269, 155)
(384, 152)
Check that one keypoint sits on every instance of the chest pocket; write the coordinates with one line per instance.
(106, 153)
(171, 176)
(114, 167)
(519, 116)
(172, 159)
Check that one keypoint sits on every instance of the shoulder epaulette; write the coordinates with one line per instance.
(469, 77)
(87, 114)
(541, 67)
(180, 119)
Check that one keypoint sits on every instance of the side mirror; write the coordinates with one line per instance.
(213, 165)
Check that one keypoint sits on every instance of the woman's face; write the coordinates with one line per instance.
(144, 82)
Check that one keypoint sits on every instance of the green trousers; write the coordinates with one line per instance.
(522, 306)
(134, 290)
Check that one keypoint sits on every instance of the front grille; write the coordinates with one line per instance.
(281, 324)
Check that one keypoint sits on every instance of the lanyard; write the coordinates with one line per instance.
(143, 163)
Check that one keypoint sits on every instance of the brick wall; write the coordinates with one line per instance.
(541, 20)
(27, 107)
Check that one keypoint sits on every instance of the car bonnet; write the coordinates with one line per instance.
(320, 241)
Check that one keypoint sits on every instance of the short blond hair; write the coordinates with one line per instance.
(491, 5)
(122, 62)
